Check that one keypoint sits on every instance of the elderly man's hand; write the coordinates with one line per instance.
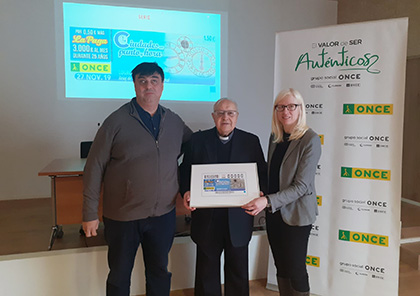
(187, 198)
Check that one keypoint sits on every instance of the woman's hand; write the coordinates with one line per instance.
(187, 198)
(255, 206)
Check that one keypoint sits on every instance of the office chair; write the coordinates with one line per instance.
(84, 148)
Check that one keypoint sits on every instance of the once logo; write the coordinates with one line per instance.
(375, 268)
(368, 109)
(359, 173)
(379, 138)
(319, 200)
(313, 106)
(312, 261)
(75, 67)
(382, 204)
(364, 238)
(95, 68)
(321, 138)
(349, 76)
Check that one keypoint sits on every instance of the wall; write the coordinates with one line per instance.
(411, 142)
(37, 127)
(83, 272)
(350, 11)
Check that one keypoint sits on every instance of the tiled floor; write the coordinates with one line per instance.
(25, 226)
(256, 288)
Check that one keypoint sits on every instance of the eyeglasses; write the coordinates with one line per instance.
(230, 113)
(290, 107)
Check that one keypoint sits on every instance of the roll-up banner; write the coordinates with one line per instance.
(352, 78)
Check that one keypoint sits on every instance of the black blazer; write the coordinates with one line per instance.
(201, 149)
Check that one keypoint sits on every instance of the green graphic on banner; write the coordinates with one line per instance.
(363, 238)
(348, 109)
(362, 173)
(346, 172)
(75, 67)
(343, 60)
(344, 235)
(368, 109)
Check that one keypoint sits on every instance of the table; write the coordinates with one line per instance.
(67, 197)
(66, 193)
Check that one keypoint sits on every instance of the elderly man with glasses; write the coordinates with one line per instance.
(215, 230)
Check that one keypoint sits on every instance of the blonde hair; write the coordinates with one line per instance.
(300, 128)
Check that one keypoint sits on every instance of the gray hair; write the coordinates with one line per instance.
(220, 101)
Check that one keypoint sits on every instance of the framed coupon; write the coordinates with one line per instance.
(223, 185)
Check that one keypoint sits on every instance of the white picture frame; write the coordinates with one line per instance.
(223, 185)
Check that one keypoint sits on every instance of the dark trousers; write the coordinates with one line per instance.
(207, 272)
(155, 234)
(289, 245)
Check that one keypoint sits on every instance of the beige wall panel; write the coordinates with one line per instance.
(351, 11)
(411, 143)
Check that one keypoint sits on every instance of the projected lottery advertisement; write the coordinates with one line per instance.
(99, 55)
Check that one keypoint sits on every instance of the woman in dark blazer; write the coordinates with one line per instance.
(293, 155)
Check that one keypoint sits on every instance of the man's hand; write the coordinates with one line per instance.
(255, 206)
(90, 227)
(187, 198)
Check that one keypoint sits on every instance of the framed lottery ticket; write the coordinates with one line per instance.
(223, 185)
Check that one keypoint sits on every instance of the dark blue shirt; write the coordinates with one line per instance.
(152, 122)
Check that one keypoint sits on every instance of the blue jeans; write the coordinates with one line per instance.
(155, 234)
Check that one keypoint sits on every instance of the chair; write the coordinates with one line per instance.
(84, 148)
(84, 151)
